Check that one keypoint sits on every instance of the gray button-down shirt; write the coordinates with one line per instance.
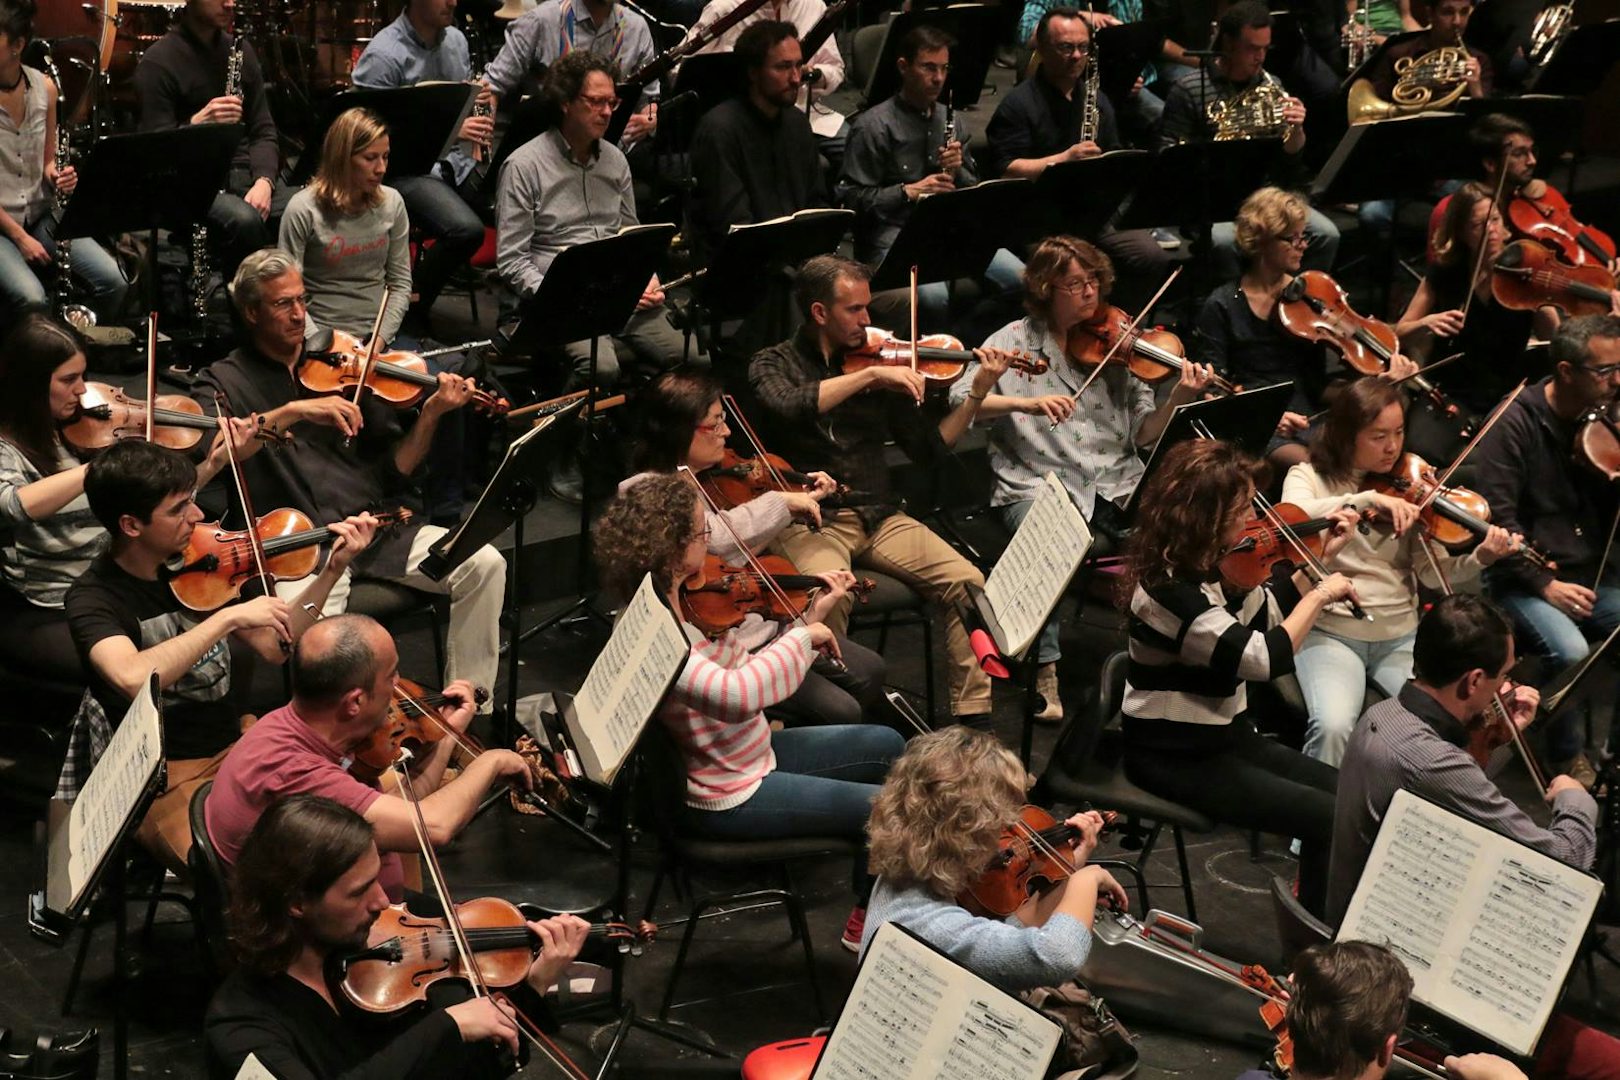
(546, 202)
(890, 145)
(398, 57)
(537, 38)
(1410, 742)
(1093, 452)
(23, 192)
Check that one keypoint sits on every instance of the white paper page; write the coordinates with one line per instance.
(253, 1069)
(1029, 578)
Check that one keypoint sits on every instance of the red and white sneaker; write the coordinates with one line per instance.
(854, 927)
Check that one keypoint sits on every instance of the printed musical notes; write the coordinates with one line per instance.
(915, 1013)
(626, 682)
(1029, 578)
(1487, 926)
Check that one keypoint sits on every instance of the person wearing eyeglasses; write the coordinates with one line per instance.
(1526, 472)
(570, 186)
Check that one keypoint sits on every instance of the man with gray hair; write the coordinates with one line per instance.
(343, 674)
(360, 457)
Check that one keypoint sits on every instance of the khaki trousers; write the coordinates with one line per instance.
(904, 548)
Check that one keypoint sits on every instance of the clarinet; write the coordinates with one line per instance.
(201, 269)
(1091, 117)
(76, 315)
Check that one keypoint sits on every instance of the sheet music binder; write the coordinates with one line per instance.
(1248, 418)
(1007, 1040)
(1470, 935)
(1027, 546)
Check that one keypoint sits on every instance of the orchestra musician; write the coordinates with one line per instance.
(423, 45)
(1095, 453)
(568, 186)
(1196, 641)
(1039, 123)
(304, 894)
(936, 827)
(1448, 21)
(1527, 474)
(683, 423)
(343, 676)
(552, 29)
(1242, 40)
(1361, 439)
(181, 80)
(743, 780)
(30, 181)
(836, 421)
(346, 458)
(126, 623)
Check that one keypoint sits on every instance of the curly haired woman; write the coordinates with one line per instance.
(743, 781)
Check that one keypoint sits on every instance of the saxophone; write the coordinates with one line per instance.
(1256, 113)
(78, 316)
(1090, 116)
(201, 268)
(1434, 80)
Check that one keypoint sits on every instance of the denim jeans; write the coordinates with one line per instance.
(1548, 631)
(1333, 673)
(22, 284)
(823, 785)
(1320, 232)
(455, 228)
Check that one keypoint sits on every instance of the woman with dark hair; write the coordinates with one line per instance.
(1363, 437)
(304, 895)
(683, 424)
(1196, 640)
(743, 780)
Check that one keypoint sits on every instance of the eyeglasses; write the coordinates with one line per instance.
(707, 531)
(289, 303)
(1070, 48)
(1076, 286)
(1602, 372)
(1298, 240)
(592, 102)
(714, 428)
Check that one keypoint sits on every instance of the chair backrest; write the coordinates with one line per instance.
(210, 886)
(866, 49)
(1084, 726)
(1297, 928)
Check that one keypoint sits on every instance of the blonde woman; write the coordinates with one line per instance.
(934, 831)
(349, 232)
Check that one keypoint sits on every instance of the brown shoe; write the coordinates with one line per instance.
(1046, 685)
(1580, 769)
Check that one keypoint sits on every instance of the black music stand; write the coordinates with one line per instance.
(751, 257)
(1080, 197)
(713, 77)
(1248, 419)
(534, 117)
(955, 234)
(590, 291)
(1580, 61)
(422, 124)
(976, 30)
(1121, 52)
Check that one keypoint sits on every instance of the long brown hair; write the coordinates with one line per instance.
(1355, 406)
(333, 187)
(642, 531)
(298, 848)
(1182, 512)
(29, 357)
(1453, 244)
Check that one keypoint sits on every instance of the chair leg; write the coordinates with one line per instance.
(78, 970)
(652, 893)
(692, 916)
(1254, 845)
(1186, 875)
(928, 664)
(801, 929)
(151, 914)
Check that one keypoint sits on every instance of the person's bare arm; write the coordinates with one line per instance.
(447, 810)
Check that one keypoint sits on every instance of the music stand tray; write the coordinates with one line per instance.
(1080, 197)
(976, 30)
(1122, 52)
(955, 234)
(1399, 157)
(422, 123)
(180, 171)
(1227, 172)
(743, 268)
(1248, 419)
(591, 289)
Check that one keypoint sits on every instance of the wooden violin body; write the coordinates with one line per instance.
(405, 725)
(1527, 276)
(737, 480)
(1247, 563)
(1454, 516)
(1151, 355)
(1315, 308)
(1597, 441)
(399, 378)
(1548, 221)
(941, 359)
(108, 415)
(721, 596)
(1031, 857)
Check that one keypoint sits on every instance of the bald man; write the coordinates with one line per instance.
(343, 672)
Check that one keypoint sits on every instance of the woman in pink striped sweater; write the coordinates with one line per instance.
(743, 780)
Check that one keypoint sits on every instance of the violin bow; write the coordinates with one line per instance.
(1479, 255)
(369, 360)
(914, 324)
(1422, 370)
(1462, 455)
(458, 933)
(765, 579)
(1128, 335)
(151, 371)
(251, 524)
(763, 460)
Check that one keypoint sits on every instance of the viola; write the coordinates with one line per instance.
(1547, 220)
(720, 597)
(399, 378)
(1597, 440)
(1031, 857)
(1527, 276)
(1452, 517)
(108, 415)
(1247, 563)
(406, 724)
(1151, 355)
(406, 953)
(941, 359)
(217, 562)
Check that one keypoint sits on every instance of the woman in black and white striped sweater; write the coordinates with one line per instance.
(1195, 641)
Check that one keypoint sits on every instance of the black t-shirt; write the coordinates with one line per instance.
(198, 718)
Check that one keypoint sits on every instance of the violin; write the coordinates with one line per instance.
(406, 953)
(399, 378)
(1547, 220)
(1527, 276)
(406, 724)
(1597, 440)
(941, 359)
(217, 562)
(1454, 516)
(108, 415)
(720, 597)
(737, 480)
(1264, 544)
(1031, 857)
(1153, 355)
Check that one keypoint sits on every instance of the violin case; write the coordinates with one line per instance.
(65, 1055)
(1157, 971)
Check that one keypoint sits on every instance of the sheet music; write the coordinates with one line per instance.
(626, 683)
(1487, 926)
(1029, 578)
(254, 1069)
(104, 809)
(916, 1013)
